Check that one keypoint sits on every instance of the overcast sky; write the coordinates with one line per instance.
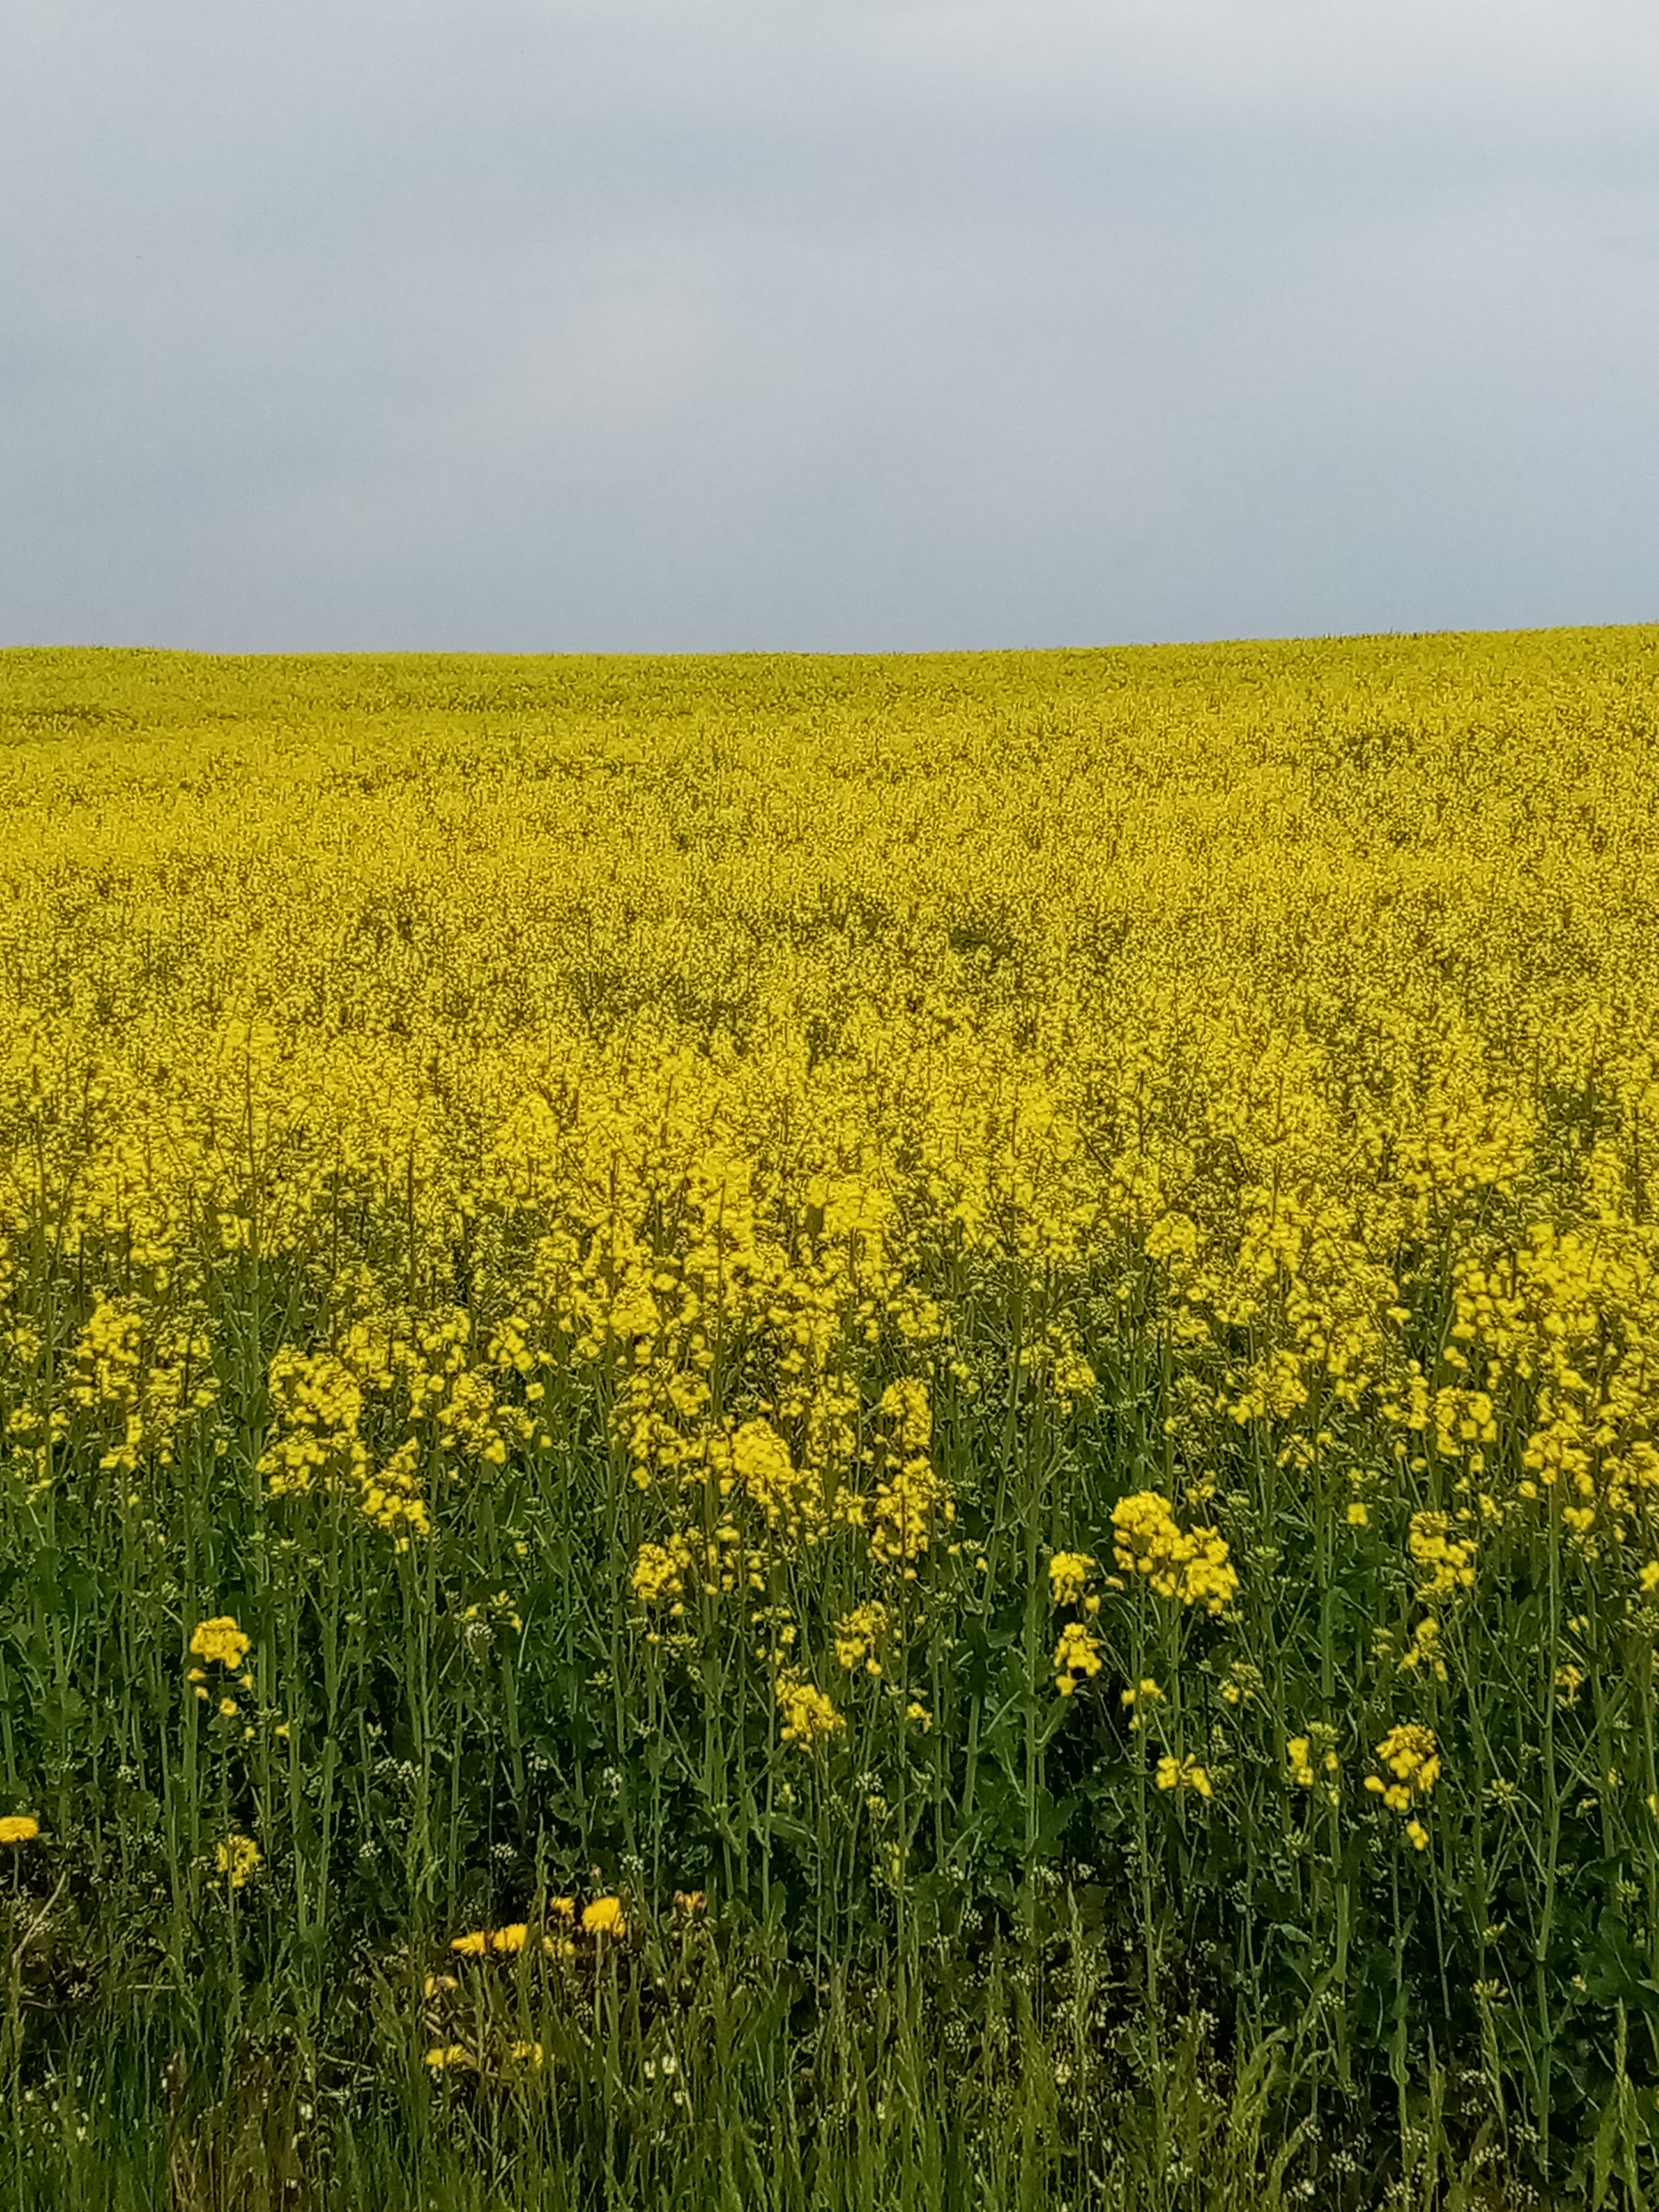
(840, 325)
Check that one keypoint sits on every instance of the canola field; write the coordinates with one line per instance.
(971, 1343)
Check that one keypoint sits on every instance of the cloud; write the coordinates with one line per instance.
(898, 324)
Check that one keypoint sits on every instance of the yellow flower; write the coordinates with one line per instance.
(19, 1828)
(510, 1938)
(227, 1707)
(906, 1507)
(858, 1635)
(473, 1946)
(691, 1900)
(220, 1640)
(1447, 1562)
(1194, 1568)
(660, 1569)
(448, 2054)
(1183, 1773)
(525, 2054)
(809, 1717)
(1068, 1577)
(238, 1860)
(1409, 1754)
(604, 1917)
(1077, 1652)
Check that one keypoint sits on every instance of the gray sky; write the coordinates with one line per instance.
(712, 324)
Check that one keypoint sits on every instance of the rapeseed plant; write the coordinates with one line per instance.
(597, 1202)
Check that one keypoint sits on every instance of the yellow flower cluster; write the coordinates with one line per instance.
(1314, 1763)
(142, 1374)
(1411, 1757)
(603, 1917)
(1425, 1651)
(1447, 1561)
(659, 1571)
(809, 1718)
(1194, 1568)
(858, 1636)
(1183, 1774)
(1077, 1652)
(903, 1514)
(906, 1405)
(321, 1401)
(221, 1642)
(238, 1860)
(518, 2051)
(1069, 1574)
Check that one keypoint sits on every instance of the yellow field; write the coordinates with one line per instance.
(912, 1295)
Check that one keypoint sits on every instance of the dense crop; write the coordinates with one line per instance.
(1000, 1313)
